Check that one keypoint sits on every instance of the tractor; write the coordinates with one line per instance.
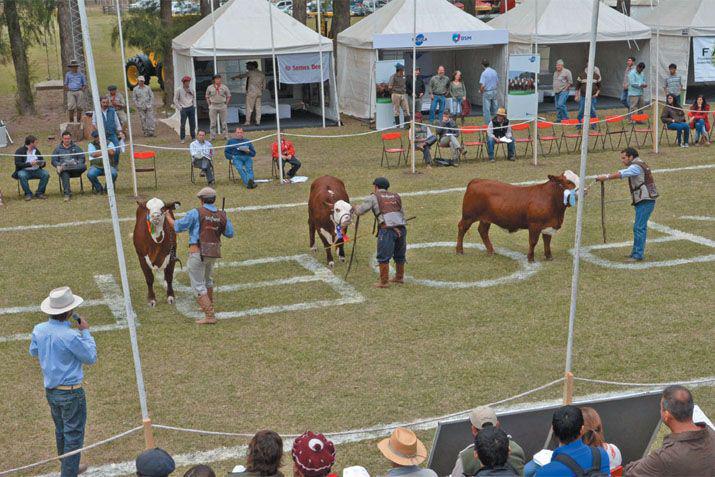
(146, 66)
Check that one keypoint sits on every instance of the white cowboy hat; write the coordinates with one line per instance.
(60, 300)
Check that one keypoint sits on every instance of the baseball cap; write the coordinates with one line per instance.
(483, 415)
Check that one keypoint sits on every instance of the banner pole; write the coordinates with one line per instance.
(126, 98)
(656, 115)
(275, 92)
(213, 47)
(414, 84)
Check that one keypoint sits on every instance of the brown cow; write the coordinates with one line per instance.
(155, 244)
(328, 207)
(538, 208)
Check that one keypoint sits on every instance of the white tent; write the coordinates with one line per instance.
(242, 32)
(563, 28)
(357, 54)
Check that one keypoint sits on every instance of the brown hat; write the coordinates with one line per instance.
(206, 192)
(483, 415)
(403, 447)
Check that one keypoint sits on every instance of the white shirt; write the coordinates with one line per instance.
(198, 149)
(614, 455)
(31, 156)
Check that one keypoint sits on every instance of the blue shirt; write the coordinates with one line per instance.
(631, 171)
(489, 79)
(635, 80)
(62, 351)
(579, 452)
(232, 151)
(75, 81)
(190, 222)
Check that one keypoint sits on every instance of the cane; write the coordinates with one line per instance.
(603, 210)
(352, 252)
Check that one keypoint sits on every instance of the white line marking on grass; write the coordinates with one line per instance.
(253, 208)
(701, 218)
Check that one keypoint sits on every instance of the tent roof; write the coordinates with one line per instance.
(681, 17)
(568, 21)
(243, 29)
(397, 17)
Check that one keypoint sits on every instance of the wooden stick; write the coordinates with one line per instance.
(148, 434)
(568, 387)
(603, 210)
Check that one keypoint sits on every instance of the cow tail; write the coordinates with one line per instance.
(173, 257)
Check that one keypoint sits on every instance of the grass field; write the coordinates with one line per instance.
(400, 354)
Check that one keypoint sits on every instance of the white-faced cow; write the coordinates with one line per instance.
(329, 214)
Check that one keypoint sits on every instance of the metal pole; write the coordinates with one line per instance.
(115, 224)
(581, 190)
(414, 81)
(334, 83)
(656, 115)
(213, 46)
(275, 91)
(126, 97)
(320, 52)
(535, 143)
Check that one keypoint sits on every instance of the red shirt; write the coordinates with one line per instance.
(287, 148)
(698, 114)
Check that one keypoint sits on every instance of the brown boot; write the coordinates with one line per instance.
(208, 309)
(399, 273)
(384, 275)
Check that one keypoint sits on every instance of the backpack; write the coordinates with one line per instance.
(578, 471)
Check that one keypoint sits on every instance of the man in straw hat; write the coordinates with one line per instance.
(75, 84)
(406, 452)
(62, 351)
(205, 224)
(313, 455)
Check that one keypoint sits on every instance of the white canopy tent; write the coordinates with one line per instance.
(357, 53)
(564, 28)
(242, 33)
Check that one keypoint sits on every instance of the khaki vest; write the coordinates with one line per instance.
(390, 205)
(211, 227)
(642, 186)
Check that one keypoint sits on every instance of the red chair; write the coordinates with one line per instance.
(528, 140)
(389, 146)
(640, 126)
(616, 127)
(473, 136)
(617, 472)
(575, 134)
(548, 135)
(596, 134)
(145, 157)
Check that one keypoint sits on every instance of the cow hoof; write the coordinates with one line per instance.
(331, 264)
(342, 259)
(549, 258)
(490, 252)
(460, 251)
(170, 300)
(531, 259)
(151, 303)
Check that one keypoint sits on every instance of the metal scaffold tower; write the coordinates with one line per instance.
(77, 44)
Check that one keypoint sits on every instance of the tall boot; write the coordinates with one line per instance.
(399, 273)
(208, 309)
(408, 119)
(384, 276)
(397, 121)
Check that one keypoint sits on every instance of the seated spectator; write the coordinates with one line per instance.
(202, 154)
(700, 121)
(240, 152)
(567, 424)
(200, 471)
(287, 155)
(405, 452)
(674, 119)
(688, 451)
(263, 459)
(448, 134)
(96, 168)
(424, 139)
(594, 436)
(29, 164)
(69, 161)
(468, 463)
(154, 463)
(313, 455)
(500, 130)
(491, 447)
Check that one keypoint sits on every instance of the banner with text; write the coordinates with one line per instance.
(301, 68)
(441, 39)
(704, 58)
(522, 100)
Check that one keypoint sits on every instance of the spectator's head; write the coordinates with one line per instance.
(501, 114)
(631, 61)
(31, 141)
(207, 195)
(457, 75)
(440, 70)
(201, 135)
(381, 183)
(60, 303)
(400, 69)
(217, 80)
(265, 452)
(418, 70)
(104, 102)
(676, 406)
(485, 63)
(403, 448)
(567, 423)
(592, 428)
(239, 133)
(95, 137)
(670, 99)
(672, 68)
(313, 455)
(186, 80)
(446, 115)
(112, 89)
(491, 447)
(481, 418)
(700, 102)
(640, 67)
(154, 463)
(140, 80)
(418, 116)
(559, 65)
(66, 138)
(200, 471)
(627, 155)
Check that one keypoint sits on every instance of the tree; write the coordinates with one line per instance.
(25, 101)
(166, 53)
(206, 7)
(470, 6)
(64, 21)
(300, 12)
(341, 20)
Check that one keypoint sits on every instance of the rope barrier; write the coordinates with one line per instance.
(647, 385)
(341, 136)
(83, 153)
(553, 123)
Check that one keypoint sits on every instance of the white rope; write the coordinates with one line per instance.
(169, 148)
(647, 385)
(471, 126)
(649, 105)
(84, 153)
(340, 136)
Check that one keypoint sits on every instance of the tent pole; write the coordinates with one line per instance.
(275, 92)
(656, 115)
(126, 98)
(535, 143)
(115, 225)
(213, 40)
(334, 84)
(320, 53)
(414, 81)
(581, 190)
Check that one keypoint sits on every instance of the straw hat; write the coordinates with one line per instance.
(60, 300)
(501, 112)
(403, 448)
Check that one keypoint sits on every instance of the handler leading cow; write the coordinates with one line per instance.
(539, 209)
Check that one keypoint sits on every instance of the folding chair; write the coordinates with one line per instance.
(616, 126)
(77, 175)
(528, 140)
(664, 134)
(477, 141)
(19, 190)
(575, 134)
(231, 172)
(549, 137)
(193, 174)
(438, 149)
(643, 129)
(596, 134)
(146, 157)
(388, 139)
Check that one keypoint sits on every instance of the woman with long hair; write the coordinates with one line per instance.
(700, 120)
(265, 452)
(457, 93)
(593, 436)
(674, 119)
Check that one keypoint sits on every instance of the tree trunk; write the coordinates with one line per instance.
(166, 55)
(299, 11)
(25, 101)
(64, 21)
(341, 20)
(206, 7)
(470, 6)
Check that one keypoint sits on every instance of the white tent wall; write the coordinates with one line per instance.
(611, 60)
(356, 91)
(469, 62)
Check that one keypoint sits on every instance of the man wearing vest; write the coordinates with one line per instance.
(643, 195)
(112, 126)
(206, 224)
(392, 234)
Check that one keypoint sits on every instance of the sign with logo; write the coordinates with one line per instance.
(441, 39)
(522, 100)
(301, 68)
(704, 58)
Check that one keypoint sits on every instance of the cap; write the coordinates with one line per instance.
(206, 192)
(381, 183)
(313, 454)
(155, 463)
(111, 87)
(186, 78)
(399, 66)
(560, 62)
(140, 78)
(483, 415)
(73, 63)
(95, 133)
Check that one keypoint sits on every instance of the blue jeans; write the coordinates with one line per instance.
(94, 173)
(69, 411)
(699, 129)
(392, 244)
(455, 106)
(25, 175)
(439, 103)
(244, 166)
(640, 227)
(582, 108)
(489, 105)
(683, 129)
(624, 99)
(560, 101)
(511, 148)
(114, 139)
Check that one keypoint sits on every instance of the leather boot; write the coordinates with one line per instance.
(384, 275)
(399, 273)
(208, 309)
(408, 119)
(397, 121)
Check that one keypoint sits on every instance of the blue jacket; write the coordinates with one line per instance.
(579, 452)
(232, 151)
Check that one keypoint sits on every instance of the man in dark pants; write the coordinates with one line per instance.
(62, 351)
(29, 164)
(185, 103)
(392, 234)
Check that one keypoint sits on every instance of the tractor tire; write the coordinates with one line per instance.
(134, 69)
(160, 75)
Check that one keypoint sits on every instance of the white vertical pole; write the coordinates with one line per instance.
(581, 190)
(126, 97)
(414, 81)
(275, 91)
(320, 49)
(213, 45)
(334, 84)
(113, 210)
(656, 115)
(535, 144)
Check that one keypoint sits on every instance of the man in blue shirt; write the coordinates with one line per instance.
(62, 351)
(75, 83)
(488, 84)
(636, 87)
(643, 194)
(205, 224)
(567, 424)
(240, 152)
